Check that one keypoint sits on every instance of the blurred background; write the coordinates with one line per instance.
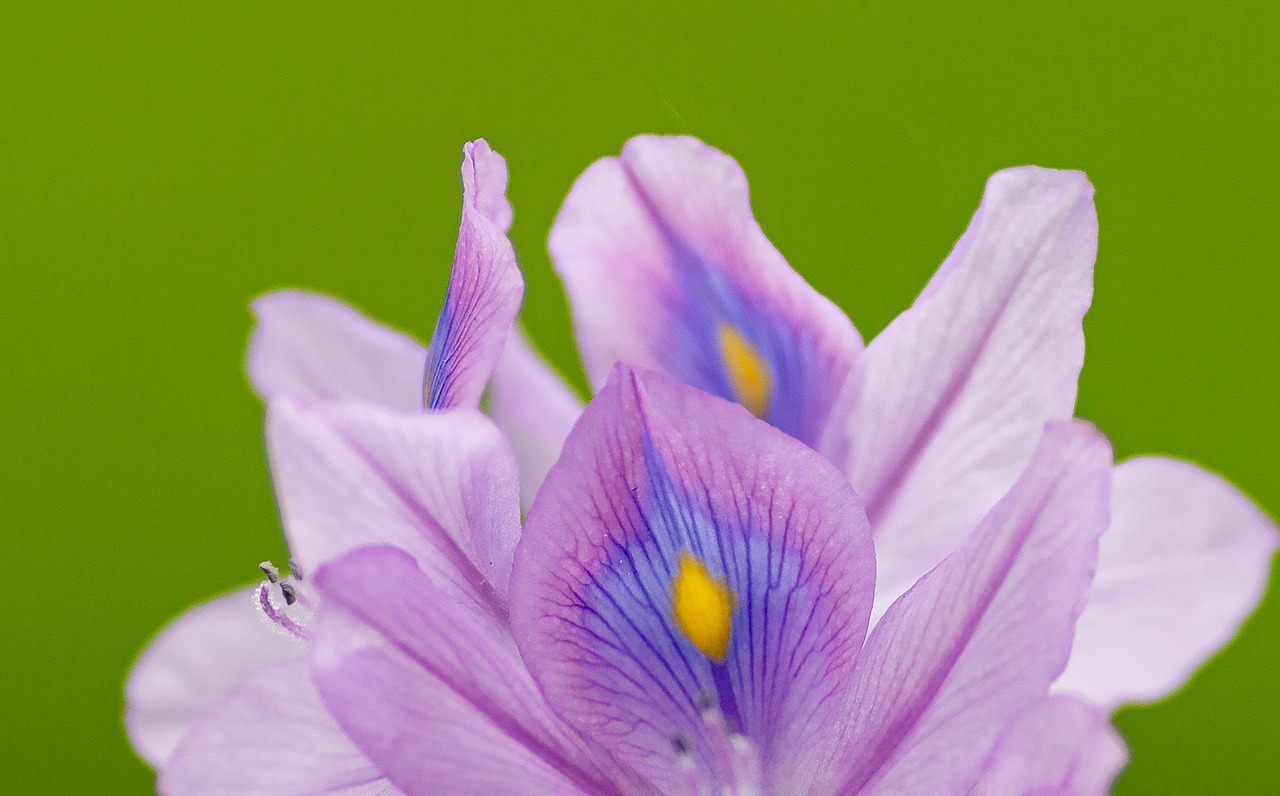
(162, 165)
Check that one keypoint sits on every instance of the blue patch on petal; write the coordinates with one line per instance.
(650, 679)
(799, 398)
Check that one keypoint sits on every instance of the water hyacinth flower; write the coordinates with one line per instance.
(733, 320)
(666, 268)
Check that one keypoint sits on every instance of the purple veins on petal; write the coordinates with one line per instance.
(682, 558)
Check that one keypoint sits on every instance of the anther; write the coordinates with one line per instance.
(294, 569)
(706, 702)
(681, 745)
(270, 571)
(289, 592)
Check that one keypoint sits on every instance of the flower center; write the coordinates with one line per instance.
(732, 764)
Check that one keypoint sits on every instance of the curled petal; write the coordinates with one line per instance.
(944, 408)
(667, 269)
(534, 408)
(1063, 746)
(270, 736)
(1186, 559)
(316, 348)
(435, 693)
(689, 580)
(194, 661)
(440, 486)
(980, 638)
(485, 288)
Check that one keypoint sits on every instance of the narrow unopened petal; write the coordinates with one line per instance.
(944, 407)
(194, 661)
(692, 581)
(1186, 559)
(485, 289)
(667, 269)
(1062, 746)
(270, 736)
(980, 638)
(316, 348)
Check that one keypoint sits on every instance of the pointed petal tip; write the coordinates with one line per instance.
(484, 182)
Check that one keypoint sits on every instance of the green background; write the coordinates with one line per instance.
(160, 166)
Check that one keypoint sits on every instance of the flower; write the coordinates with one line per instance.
(940, 425)
(932, 423)
(575, 674)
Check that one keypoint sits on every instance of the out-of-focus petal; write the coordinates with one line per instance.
(1063, 746)
(316, 348)
(485, 288)
(660, 486)
(270, 736)
(667, 269)
(534, 408)
(192, 662)
(443, 487)
(980, 638)
(944, 408)
(1185, 561)
(437, 695)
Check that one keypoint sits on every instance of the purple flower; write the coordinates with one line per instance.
(687, 608)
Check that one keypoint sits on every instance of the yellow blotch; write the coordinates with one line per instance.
(703, 607)
(747, 370)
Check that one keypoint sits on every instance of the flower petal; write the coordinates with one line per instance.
(316, 348)
(435, 693)
(485, 288)
(534, 408)
(1186, 559)
(1063, 746)
(442, 486)
(944, 408)
(980, 637)
(681, 553)
(193, 661)
(667, 269)
(270, 736)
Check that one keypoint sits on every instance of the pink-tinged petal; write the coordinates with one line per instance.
(193, 661)
(659, 487)
(270, 736)
(667, 269)
(443, 487)
(435, 693)
(485, 288)
(1062, 746)
(1186, 559)
(944, 408)
(316, 348)
(979, 638)
(535, 409)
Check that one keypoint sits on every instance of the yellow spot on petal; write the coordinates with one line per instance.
(748, 372)
(703, 607)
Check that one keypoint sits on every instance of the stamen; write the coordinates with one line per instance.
(289, 592)
(270, 571)
(277, 615)
(730, 765)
